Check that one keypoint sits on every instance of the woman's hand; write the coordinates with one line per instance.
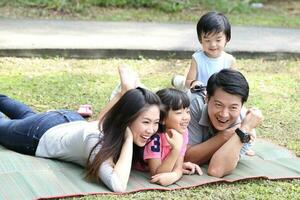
(174, 138)
(128, 134)
(190, 168)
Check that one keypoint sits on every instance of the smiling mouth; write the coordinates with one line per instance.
(222, 121)
(145, 137)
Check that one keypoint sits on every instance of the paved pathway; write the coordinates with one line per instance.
(91, 39)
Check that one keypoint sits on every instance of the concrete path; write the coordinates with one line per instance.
(91, 39)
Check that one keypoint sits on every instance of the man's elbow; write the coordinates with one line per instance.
(215, 171)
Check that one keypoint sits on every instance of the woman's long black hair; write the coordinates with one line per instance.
(113, 127)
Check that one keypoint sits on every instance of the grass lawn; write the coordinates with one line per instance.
(65, 83)
(275, 13)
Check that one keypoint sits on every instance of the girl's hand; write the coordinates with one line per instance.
(190, 168)
(164, 179)
(128, 134)
(174, 138)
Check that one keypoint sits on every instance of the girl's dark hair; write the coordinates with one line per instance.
(230, 81)
(171, 99)
(114, 124)
(213, 22)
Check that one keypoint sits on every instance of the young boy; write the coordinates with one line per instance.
(214, 32)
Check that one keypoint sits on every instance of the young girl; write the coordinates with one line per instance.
(104, 147)
(214, 32)
(164, 154)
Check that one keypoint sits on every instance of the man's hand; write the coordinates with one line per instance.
(227, 133)
(190, 168)
(252, 119)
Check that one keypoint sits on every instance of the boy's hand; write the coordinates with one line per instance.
(198, 83)
(174, 138)
(190, 168)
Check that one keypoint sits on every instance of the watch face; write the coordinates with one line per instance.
(246, 138)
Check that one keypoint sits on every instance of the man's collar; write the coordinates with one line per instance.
(204, 121)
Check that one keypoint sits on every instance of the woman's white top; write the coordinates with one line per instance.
(73, 142)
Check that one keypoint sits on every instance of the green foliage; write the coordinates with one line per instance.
(81, 5)
(166, 5)
(58, 5)
(228, 6)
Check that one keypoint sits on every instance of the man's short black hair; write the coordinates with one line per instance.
(213, 22)
(230, 81)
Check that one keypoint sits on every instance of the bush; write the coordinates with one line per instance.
(59, 5)
(227, 6)
(166, 5)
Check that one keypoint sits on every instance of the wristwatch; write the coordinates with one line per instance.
(244, 137)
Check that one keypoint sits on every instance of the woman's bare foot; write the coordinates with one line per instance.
(128, 78)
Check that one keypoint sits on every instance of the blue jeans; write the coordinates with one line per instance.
(22, 131)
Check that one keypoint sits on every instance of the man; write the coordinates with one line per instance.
(221, 128)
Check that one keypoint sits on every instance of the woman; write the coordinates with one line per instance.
(104, 147)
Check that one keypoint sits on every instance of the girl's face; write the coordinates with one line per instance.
(178, 119)
(213, 44)
(145, 125)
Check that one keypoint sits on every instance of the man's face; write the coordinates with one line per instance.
(223, 109)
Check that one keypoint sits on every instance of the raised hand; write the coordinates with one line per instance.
(252, 119)
(128, 134)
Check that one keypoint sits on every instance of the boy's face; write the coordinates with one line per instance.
(223, 109)
(213, 44)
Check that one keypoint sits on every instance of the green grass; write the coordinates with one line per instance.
(276, 13)
(65, 83)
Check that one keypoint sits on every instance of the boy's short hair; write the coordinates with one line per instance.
(230, 81)
(213, 22)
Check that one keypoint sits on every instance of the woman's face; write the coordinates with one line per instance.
(145, 125)
(178, 119)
